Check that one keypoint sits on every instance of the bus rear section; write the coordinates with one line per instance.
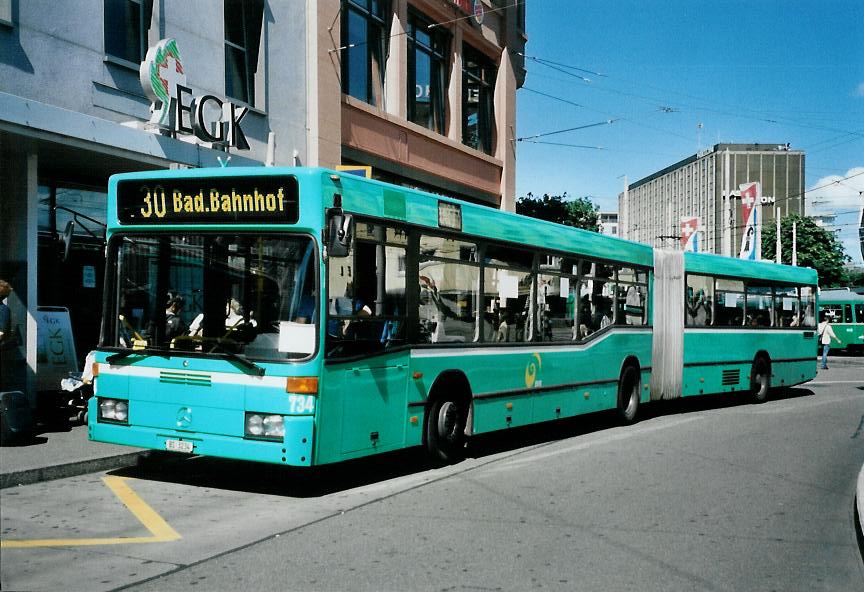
(845, 310)
(748, 326)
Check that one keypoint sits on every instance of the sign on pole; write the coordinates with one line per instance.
(690, 228)
(751, 239)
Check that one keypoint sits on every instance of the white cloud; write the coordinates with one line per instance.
(841, 195)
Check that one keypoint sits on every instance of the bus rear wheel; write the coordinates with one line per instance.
(760, 380)
(629, 386)
(445, 430)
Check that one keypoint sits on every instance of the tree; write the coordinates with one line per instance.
(817, 248)
(580, 212)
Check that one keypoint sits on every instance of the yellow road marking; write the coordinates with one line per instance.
(160, 530)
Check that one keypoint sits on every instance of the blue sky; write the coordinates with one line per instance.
(763, 71)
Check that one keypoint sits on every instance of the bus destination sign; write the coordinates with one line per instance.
(223, 200)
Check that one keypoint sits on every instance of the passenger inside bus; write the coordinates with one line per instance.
(174, 325)
(698, 308)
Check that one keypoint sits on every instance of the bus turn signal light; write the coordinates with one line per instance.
(304, 385)
(95, 369)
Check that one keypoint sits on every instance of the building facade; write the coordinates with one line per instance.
(422, 91)
(707, 185)
(428, 92)
(609, 223)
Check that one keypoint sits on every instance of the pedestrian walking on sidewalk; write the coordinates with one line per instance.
(826, 334)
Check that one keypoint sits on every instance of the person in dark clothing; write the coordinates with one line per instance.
(174, 325)
(5, 316)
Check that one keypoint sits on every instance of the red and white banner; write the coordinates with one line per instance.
(751, 239)
(690, 227)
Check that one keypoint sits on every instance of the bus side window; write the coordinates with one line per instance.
(449, 284)
(699, 300)
(848, 310)
(728, 302)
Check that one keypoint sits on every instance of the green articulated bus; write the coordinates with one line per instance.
(845, 308)
(303, 316)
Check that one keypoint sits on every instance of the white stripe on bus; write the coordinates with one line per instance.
(539, 347)
(214, 377)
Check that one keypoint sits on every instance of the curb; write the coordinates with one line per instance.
(72, 469)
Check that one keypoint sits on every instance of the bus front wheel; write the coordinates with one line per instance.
(629, 386)
(445, 430)
(760, 380)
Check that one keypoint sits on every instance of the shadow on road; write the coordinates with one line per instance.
(218, 473)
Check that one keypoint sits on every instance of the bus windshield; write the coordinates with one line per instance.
(254, 295)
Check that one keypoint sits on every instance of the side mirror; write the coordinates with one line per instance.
(66, 238)
(339, 230)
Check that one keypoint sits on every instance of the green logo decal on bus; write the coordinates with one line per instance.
(532, 370)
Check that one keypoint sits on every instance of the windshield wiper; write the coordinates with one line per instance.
(144, 351)
(243, 360)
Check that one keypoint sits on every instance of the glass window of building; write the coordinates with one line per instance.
(364, 37)
(126, 23)
(59, 205)
(478, 85)
(427, 49)
(243, 19)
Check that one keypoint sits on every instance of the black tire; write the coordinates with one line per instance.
(760, 380)
(445, 430)
(629, 392)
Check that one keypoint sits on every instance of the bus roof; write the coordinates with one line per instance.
(839, 295)
(763, 270)
(379, 199)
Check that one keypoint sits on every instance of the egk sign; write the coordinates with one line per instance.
(164, 81)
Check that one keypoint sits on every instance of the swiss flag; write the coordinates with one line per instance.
(688, 227)
(749, 198)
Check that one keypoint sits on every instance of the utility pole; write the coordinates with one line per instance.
(779, 244)
(727, 207)
(795, 243)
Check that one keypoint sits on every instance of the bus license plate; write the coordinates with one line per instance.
(178, 446)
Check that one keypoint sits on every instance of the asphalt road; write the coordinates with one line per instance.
(702, 494)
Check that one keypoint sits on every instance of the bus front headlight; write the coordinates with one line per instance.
(114, 410)
(265, 425)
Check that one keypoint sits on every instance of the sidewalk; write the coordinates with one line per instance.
(59, 454)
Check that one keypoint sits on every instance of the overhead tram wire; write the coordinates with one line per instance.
(564, 144)
(763, 114)
(569, 129)
(775, 120)
(620, 118)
